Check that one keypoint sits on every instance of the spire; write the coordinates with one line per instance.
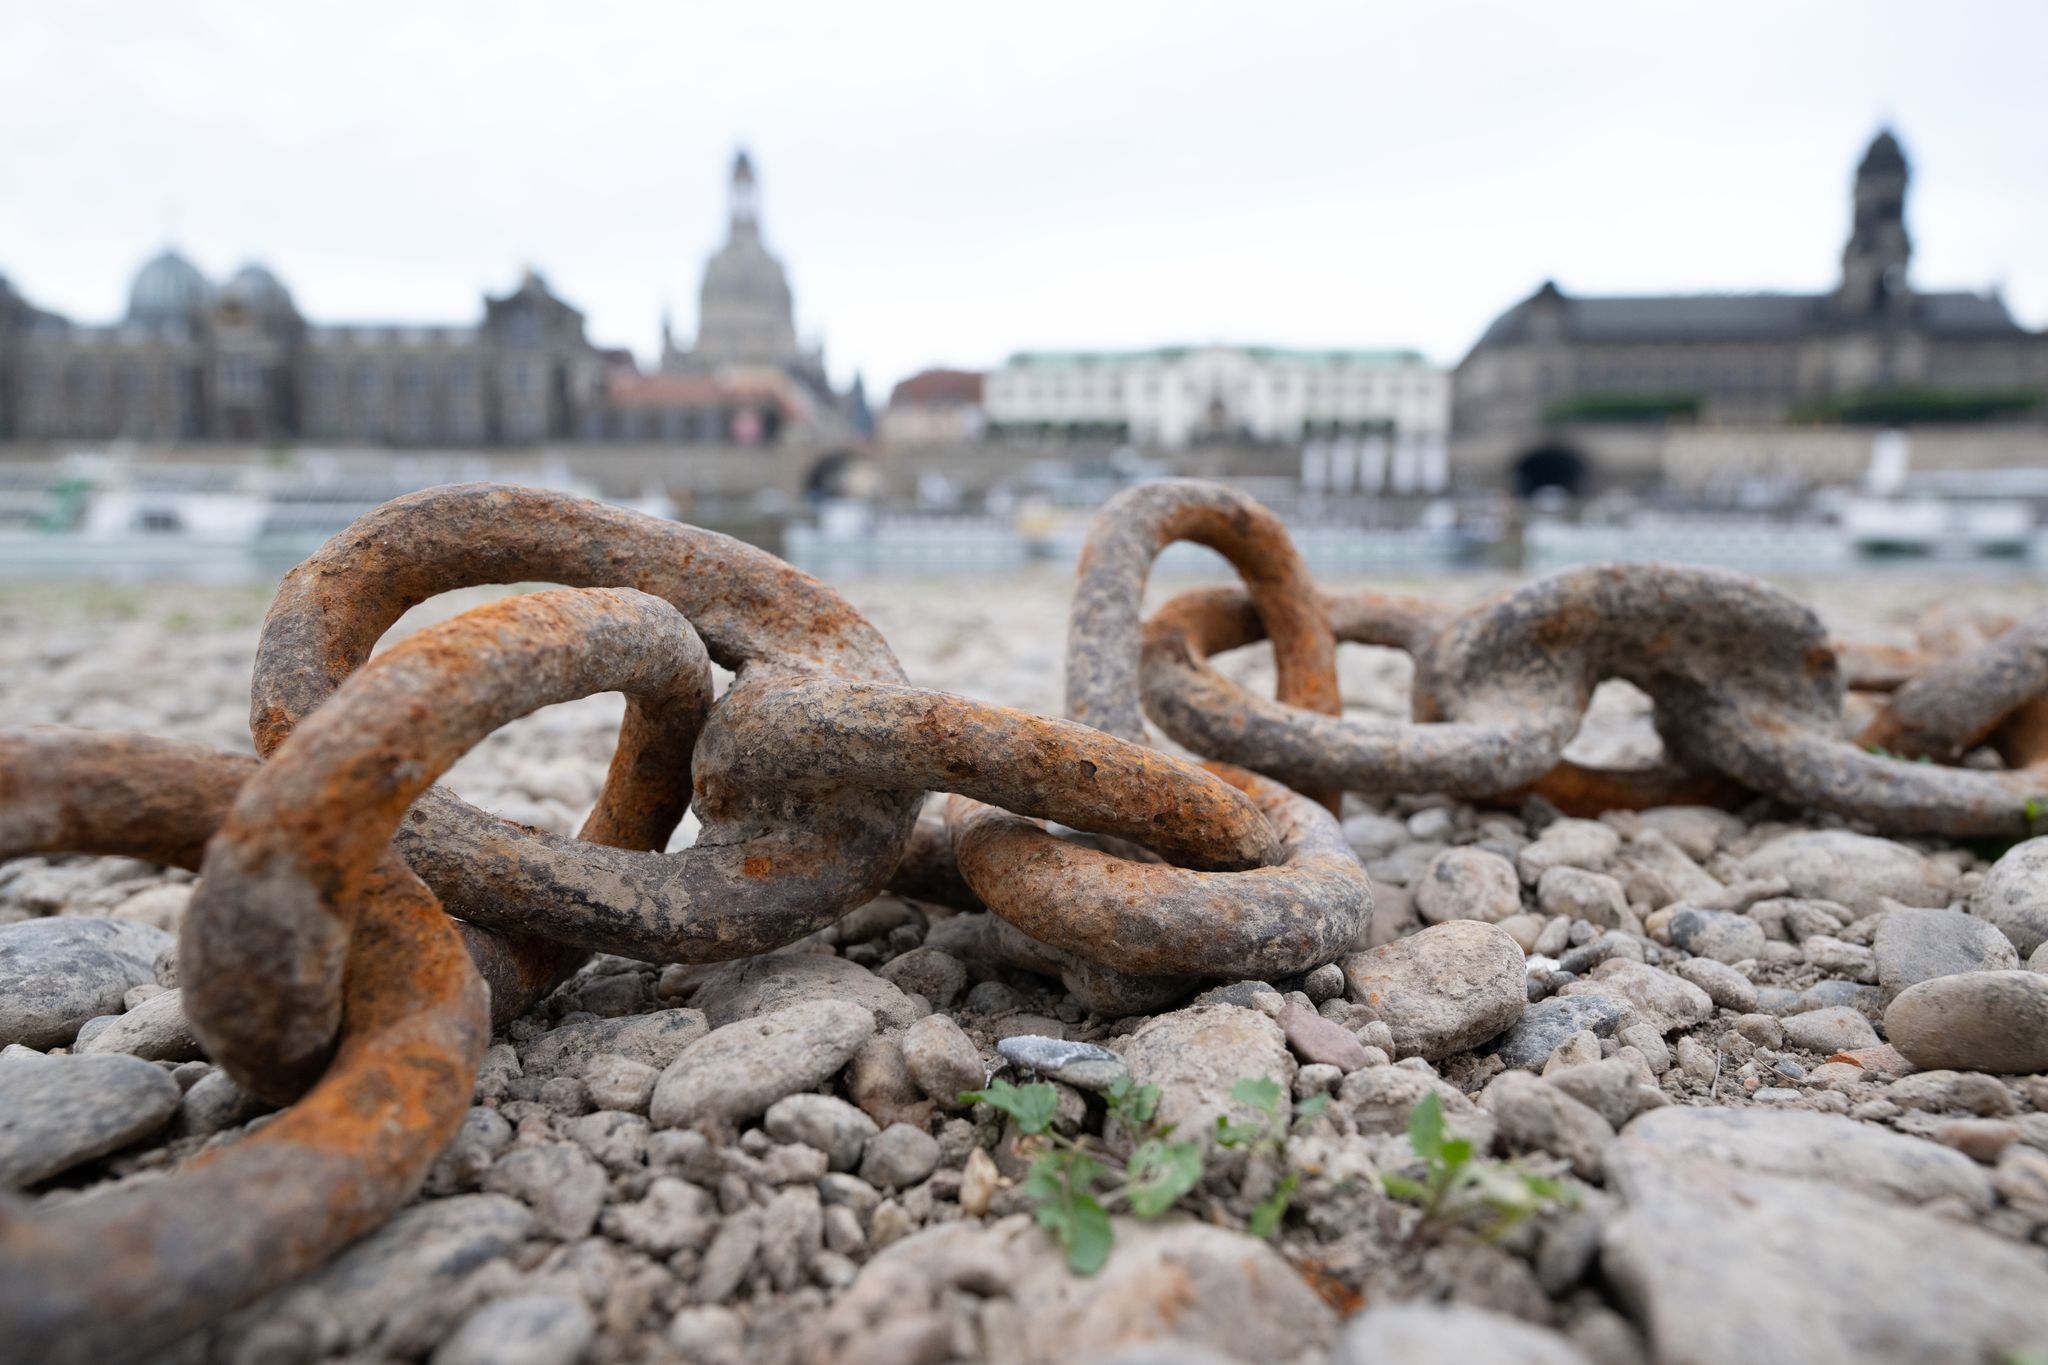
(1875, 260)
(745, 196)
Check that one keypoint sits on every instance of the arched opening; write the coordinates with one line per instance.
(827, 478)
(1550, 466)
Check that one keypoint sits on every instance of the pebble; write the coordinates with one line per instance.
(524, 1329)
(1586, 844)
(57, 973)
(1467, 883)
(615, 1082)
(933, 973)
(1448, 988)
(1578, 894)
(1715, 934)
(1547, 1024)
(1197, 1055)
(1083, 1065)
(1952, 1091)
(760, 985)
(1617, 1088)
(1837, 957)
(1869, 1001)
(215, 1104)
(1315, 1039)
(1726, 987)
(1855, 870)
(1665, 1002)
(1981, 1140)
(57, 1112)
(155, 1030)
(737, 1071)
(2013, 897)
(558, 1180)
(879, 1081)
(1324, 983)
(1412, 1333)
(1974, 1021)
(824, 1122)
(1535, 1115)
(654, 1040)
(1839, 1029)
(943, 1060)
(1912, 946)
(897, 1156)
(1821, 1272)
(1809, 1146)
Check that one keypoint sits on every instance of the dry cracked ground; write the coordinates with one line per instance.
(1788, 1078)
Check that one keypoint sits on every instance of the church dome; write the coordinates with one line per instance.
(744, 272)
(255, 290)
(169, 289)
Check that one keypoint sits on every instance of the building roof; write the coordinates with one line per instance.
(169, 289)
(1276, 355)
(938, 388)
(1725, 317)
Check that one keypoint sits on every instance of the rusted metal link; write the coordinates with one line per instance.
(1127, 918)
(802, 746)
(1127, 535)
(1499, 690)
(1957, 702)
(765, 869)
(121, 1274)
(1145, 919)
(265, 936)
(1747, 687)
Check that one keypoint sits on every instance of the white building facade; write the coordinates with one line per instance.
(1366, 421)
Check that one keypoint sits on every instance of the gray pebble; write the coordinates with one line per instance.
(1974, 1021)
(56, 1112)
(1082, 1065)
(57, 973)
(525, 1329)
(824, 1122)
(899, 1155)
(737, 1071)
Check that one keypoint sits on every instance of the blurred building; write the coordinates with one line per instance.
(934, 407)
(237, 362)
(1573, 391)
(1180, 396)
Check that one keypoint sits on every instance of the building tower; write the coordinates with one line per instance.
(745, 314)
(1874, 262)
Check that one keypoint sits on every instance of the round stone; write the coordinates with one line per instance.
(1974, 1021)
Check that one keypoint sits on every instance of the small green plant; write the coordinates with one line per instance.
(1072, 1187)
(1459, 1189)
(2032, 812)
(1266, 1138)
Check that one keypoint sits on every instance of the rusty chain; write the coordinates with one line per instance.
(1749, 695)
(357, 931)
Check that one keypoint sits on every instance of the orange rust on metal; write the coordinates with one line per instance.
(609, 890)
(1127, 535)
(129, 1271)
(1146, 919)
(264, 940)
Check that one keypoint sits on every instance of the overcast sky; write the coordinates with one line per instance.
(948, 183)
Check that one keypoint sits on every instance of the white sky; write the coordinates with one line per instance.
(949, 183)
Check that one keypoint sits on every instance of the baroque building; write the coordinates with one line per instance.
(237, 362)
(1570, 391)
